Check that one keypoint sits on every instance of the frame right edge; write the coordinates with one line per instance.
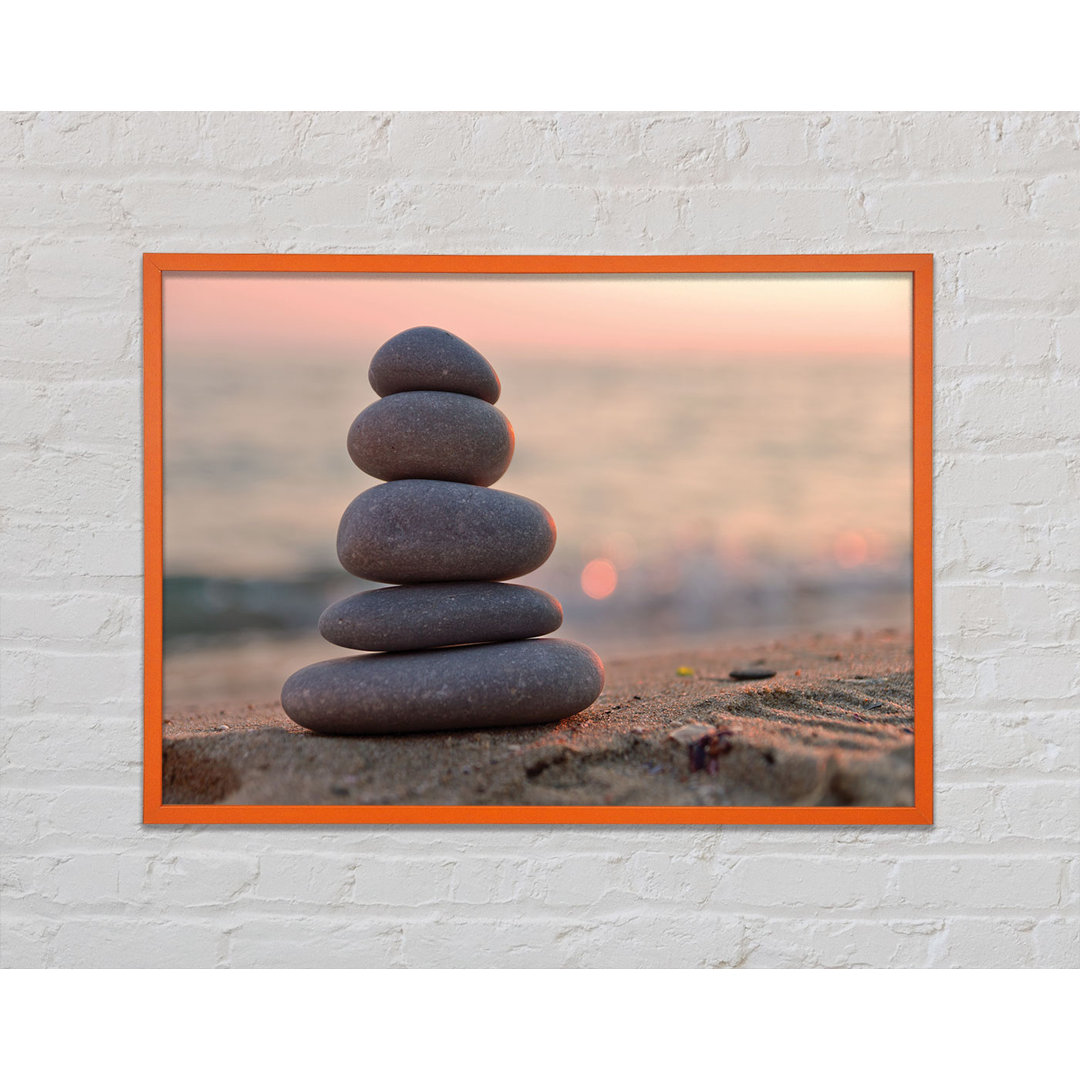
(922, 530)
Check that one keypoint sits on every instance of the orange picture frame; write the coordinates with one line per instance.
(920, 266)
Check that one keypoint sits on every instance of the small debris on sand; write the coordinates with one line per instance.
(706, 751)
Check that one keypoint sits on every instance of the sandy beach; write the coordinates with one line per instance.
(832, 727)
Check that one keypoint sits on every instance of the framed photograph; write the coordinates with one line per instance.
(538, 539)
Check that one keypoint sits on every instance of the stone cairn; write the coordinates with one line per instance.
(450, 644)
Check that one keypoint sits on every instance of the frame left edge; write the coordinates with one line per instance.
(153, 523)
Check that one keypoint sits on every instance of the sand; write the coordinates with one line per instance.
(833, 727)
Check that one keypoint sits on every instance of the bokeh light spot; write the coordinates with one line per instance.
(850, 550)
(599, 578)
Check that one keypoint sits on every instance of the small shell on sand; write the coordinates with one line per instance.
(690, 733)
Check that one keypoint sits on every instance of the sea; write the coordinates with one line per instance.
(694, 501)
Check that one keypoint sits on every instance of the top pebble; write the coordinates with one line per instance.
(427, 358)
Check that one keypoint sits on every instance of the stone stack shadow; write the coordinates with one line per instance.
(451, 644)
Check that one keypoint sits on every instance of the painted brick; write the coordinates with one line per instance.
(1042, 810)
(755, 216)
(971, 609)
(404, 883)
(72, 140)
(431, 143)
(1036, 675)
(944, 207)
(656, 875)
(995, 882)
(87, 814)
(1066, 332)
(802, 882)
(154, 141)
(27, 203)
(258, 140)
(840, 943)
(70, 743)
(152, 203)
(977, 143)
(26, 943)
(1054, 200)
(490, 881)
(84, 878)
(1029, 548)
(870, 144)
(83, 268)
(505, 146)
(609, 145)
(321, 881)
(579, 880)
(66, 617)
(1036, 741)
(994, 481)
(960, 679)
(68, 681)
(92, 549)
(315, 203)
(776, 141)
(12, 128)
(984, 882)
(649, 215)
(506, 941)
(1002, 345)
(644, 938)
(83, 344)
(571, 211)
(1012, 273)
(990, 943)
(348, 942)
(181, 881)
(22, 814)
(967, 813)
(108, 941)
(20, 874)
(625, 939)
(335, 138)
(78, 483)
(1057, 943)
(990, 410)
(701, 146)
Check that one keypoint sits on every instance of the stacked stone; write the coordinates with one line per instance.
(450, 644)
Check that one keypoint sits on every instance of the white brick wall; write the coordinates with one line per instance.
(995, 197)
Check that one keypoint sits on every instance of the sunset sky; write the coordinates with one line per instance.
(762, 413)
(707, 317)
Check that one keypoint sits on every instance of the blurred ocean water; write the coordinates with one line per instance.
(690, 499)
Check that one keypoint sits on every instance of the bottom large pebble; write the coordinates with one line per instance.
(469, 686)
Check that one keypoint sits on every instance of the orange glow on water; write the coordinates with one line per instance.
(850, 549)
(877, 546)
(621, 550)
(599, 579)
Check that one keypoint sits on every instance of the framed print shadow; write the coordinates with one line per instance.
(538, 539)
